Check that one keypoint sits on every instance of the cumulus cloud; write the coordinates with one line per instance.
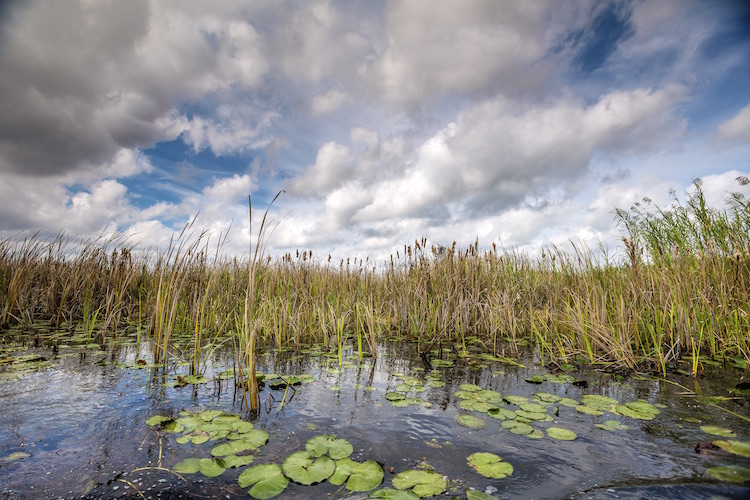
(737, 128)
(82, 80)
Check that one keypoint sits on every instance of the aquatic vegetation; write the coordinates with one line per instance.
(718, 431)
(422, 483)
(304, 467)
(267, 481)
(741, 448)
(364, 476)
(470, 421)
(490, 465)
(730, 473)
(329, 444)
(560, 434)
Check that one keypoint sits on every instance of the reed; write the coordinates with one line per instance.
(679, 290)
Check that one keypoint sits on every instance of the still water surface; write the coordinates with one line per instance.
(80, 421)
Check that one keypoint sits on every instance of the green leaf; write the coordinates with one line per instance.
(516, 400)
(328, 443)
(394, 396)
(517, 427)
(470, 421)
(235, 461)
(612, 425)
(19, 455)
(718, 431)
(238, 446)
(302, 467)
(211, 467)
(392, 494)
(188, 466)
(268, 479)
(363, 476)
(421, 482)
(478, 495)
(730, 473)
(490, 465)
(741, 448)
(156, 420)
(561, 434)
(470, 387)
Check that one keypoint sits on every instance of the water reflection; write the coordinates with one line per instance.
(82, 422)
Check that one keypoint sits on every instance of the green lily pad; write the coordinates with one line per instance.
(536, 379)
(470, 387)
(490, 465)
(638, 409)
(156, 420)
(478, 495)
(393, 494)
(741, 448)
(612, 425)
(530, 416)
(19, 455)
(188, 466)
(211, 467)
(328, 443)
(363, 476)
(588, 410)
(561, 434)
(195, 379)
(516, 427)
(569, 402)
(533, 408)
(480, 406)
(560, 379)
(421, 482)
(718, 431)
(501, 413)
(516, 400)
(471, 421)
(394, 396)
(302, 467)
(730, 473)
(546, 397)
(250, 441)
(235, 461)
(535, 434)
(598, 402)
(268, 479)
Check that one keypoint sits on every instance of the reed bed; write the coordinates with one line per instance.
(680, 290)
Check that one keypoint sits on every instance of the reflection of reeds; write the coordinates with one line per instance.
(681, 288)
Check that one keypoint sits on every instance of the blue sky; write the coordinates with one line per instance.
(517, 123)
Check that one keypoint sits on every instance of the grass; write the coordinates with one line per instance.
(681, 290)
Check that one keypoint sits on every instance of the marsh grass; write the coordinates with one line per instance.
(679, 292)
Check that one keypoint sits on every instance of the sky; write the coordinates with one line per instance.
(516, 123)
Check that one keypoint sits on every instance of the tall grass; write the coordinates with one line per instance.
(680, 288)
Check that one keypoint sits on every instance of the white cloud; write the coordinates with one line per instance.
(736, 128)
(332, 167)
(329, 102)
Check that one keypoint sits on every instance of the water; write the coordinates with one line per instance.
(80, 418)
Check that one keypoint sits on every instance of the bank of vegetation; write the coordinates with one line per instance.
(681, 290)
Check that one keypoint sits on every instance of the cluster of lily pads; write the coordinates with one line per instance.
(408, 384)
(731, 473)
(524, 411)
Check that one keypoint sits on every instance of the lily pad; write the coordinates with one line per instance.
(250, 441)
(470, 387)
(188, 466)
(501, 413)
(235, 461)
(588, 410)
(268, 479)
(516, 400)
(516, 427)
(741, 448)
(393, 494)
(561, 434)
(478, 495)
(19, 455)
(363, 476)
(423, 483)
(471, 421)
(730, 473)
(612, 425)
(302, 467)
(638, 409)
(490, 465)
(211, 467)
(598, 402)
(156, 420)
(546, 397)
(394, 396)
(328, 443)
(718, 431)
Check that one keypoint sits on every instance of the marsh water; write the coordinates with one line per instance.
(73, 421)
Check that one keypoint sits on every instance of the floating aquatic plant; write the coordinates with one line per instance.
(741, 448)
(363, 476)
(304, 467)
(471, 421)
(718, 431)
(423, 483)
(267, 480)
(490, 465)
(329, 444)
(561, 434)
(730, 473)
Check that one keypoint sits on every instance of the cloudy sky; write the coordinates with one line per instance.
(514, 122)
